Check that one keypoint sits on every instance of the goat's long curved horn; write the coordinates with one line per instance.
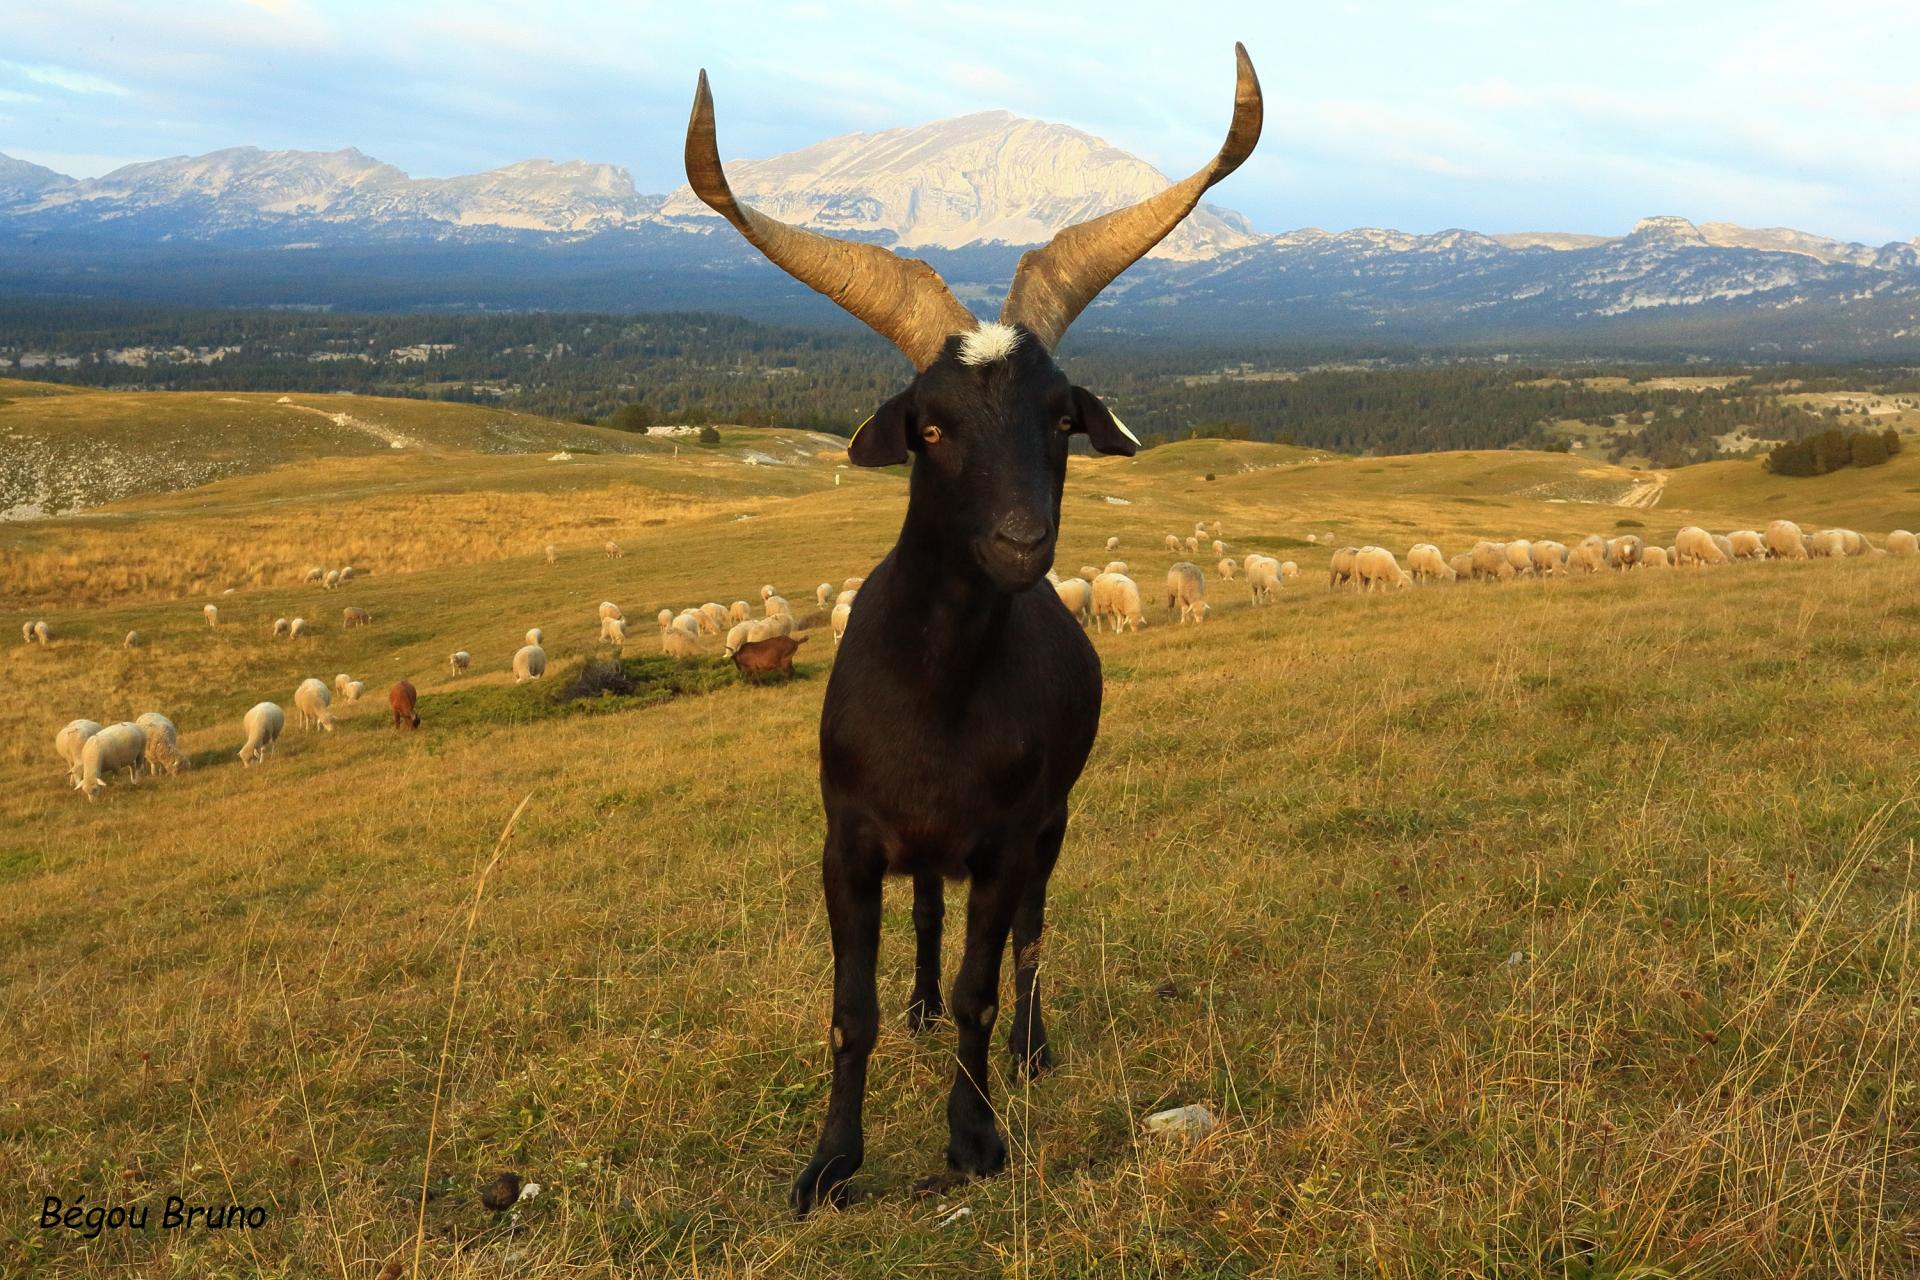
(1055, 282)
(902, 299)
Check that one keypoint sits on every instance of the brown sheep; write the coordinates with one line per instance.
(757, 657)
(402, 698)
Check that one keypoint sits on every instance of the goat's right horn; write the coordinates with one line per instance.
(902, 299)
(1055, 282)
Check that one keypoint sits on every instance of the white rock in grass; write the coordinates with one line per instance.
(1191, 1122)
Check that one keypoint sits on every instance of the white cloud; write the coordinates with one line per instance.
(65, 78)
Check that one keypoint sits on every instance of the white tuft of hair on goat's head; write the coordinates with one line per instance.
(990, 342)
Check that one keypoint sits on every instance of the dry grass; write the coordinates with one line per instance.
(1552, 929)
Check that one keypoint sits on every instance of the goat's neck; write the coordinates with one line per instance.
(947, 610)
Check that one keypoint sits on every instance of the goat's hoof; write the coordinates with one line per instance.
(924, 1011)
(823, 1182)
(1035, 1059)
(976, 1151)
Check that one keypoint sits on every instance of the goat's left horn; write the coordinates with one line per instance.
(1055, 282)
(902, 299)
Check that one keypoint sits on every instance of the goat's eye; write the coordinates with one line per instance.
(1066, 423)
(930, 433)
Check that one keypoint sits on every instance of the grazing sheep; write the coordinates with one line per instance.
(402, 701)
(332, 579)
(1340, 569)
(767, 592)
(341, 681)
(353, 616)
(316, 574)
(1747, 544)
(133, 641)
(676, 643)
(1902, 543)
(775, 604)
(281, 627)
(613, 631)
(163, 744)
(212, 612)
(1490, 561)
(743, 632)
(529, 663)
(1696, 546)
(536, 637)
(553, 553)
(69, 741)
(761, 657)
(739, 611)
(457, 664)
(854, 584)
(1200, 528)
(1116, 597)
(1590, 555)
(1113, 543)
(613, 550)
(1173, 543)
(1462, 564)
(780, 624)
(1192, 545)
(1426, 564)
(1656, 558)
(1857, 544)
(1227, 568)
(608, 609)
(26, 633)
(822, 594)
(1549, 557)
(1377, 567)
(1625, 552)
(1187, 591)
(116, 747)
(1289, 570)
(353, 690)
(842, 613)
(296, 628)
(1219, 547)
(1263, 578)
(313, 702)
(1090, 571)
(42, 635)
(1828, 544)
(846, 597)
(1785, 541)
(1077, 595)
(1724, 545)
(349, 573)
(1519, 555)
(714, 618)
(263, 723)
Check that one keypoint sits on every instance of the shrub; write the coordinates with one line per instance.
(709, 435)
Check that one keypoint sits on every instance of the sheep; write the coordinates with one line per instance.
(1227, 567)
(1114, 566)
(212, 613)
(1857, 544)
(822, 594)
(529, 663)
(1200, 529)
(1747, 544)
(69, 741)
(349, 573)
(933, 762)
(1077, 595)
(553, 553)
(676, 643)
(281, 627)
(1725, 547)
(1549, 557)
(313, 702)
(1785, 541)
(780, 624)
(133, 641)
(1590, 555)
(341, 681)
(1656, 558)
(1829, 544)
(536, 637)
(332, 579)
(403, 701)
(1116, 598)
(744, 633)
(1173, 543)
(42, 634)
(1625, 552)
(613, 550)
(759, 657)
(262, 723)
(1377, 567)
(353, 690)
(1113, 543)
(854, 583)
(739, 611)
(842, 613)
(1519, 555)
(458, 663)
(1902, 543)
(1426, 564)
(1696, 546)
(608, 609)
(614, 631)
(316, 574)
(1490, 561)
(1219, 547)
(1090, 571)
(1192, 545)
(26, 633)
(116, 747)
(1187, 591)
(1462, 564)
(1289, 570)
(775, 604)
(767, 592)
(846, 597)
(714, 618)
(353, 616)
(1263, 579)
(163, 744)
(1340, 569)
(296, 628)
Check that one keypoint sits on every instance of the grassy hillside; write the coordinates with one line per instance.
(1549, 928)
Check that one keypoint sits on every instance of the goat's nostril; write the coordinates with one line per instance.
(1021, 535)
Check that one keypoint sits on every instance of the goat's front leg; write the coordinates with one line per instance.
(924, 1006)
(852, 885)
(974, 1146)
(1027, 1037)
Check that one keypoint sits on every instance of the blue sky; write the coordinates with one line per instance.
(1492, 115)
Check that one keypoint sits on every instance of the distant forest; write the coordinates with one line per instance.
(695, 368)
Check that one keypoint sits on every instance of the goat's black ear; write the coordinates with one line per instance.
(1106, 433)
(881, 441)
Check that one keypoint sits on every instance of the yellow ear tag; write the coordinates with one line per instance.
(857, 430)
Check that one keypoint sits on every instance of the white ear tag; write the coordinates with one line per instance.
(1123, 427)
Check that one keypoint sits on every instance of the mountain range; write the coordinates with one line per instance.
(245, 226)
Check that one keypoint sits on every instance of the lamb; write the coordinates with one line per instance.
(1227, 568)
(296, 628)
(1187, 590)
(822, 594)
(529, 663)
(1696, 546)
(1902, 543)
(1426, 564)
(1590, 555)
(262, 724)
(1656, 558)
(1113, 543)
(608, 609)
(759, 657)
(1857, 544)
(133, 641)
(281, 627)
(402, 701)
(739, 611)
(1377, 567)
(212, 612)
(69, 742)
(613, 631)
(1263, 579)
(1747, 544)
(353, 616)
(1785, 541)
(536, 637)
(349, 573)
(163, 744)
(457, 664)
(1077, 595)
(1116, 598)
(313, 701)
(1340, 569)
(1490, 561)
(1549, 557)
(116, 747)
(613, 550)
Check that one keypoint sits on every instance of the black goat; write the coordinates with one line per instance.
(963, 702)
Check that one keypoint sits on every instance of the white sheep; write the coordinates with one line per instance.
(1089, 571)
(1426, 564)
(775, 604)
(316, 574)
(1590, 555)
(134, 640)
(553, 553)
(163, 744)
(1113, 543)
(354, 689)
(1785, 541)
(458, 663)
(714, 618)
(854, 584)
(349, 573)
(841, 614)
(676, 643)
(341, 681)
(613, 550)
(846, 597)
(1461, 563)
(1549, 557)
(212, 613)
(1747, 544)
(69, 741)
(1114, 566)
(26, 633)
(822, 594)
(1828, 544)
(767, 592)
(1077, 595)
(1263, 578)
(1219, 547)
(1656, 558)
(353, 616)
(1173, 543)
(739, 611)
(1725, 546)
(1187, 592)
(1116, 597)
(1340, 569)
(536, 637)
(1902, 543)
(608, 609)
(332, 579)
(263, 724)
(296, 628)
(1857, 544)
(116, 747)
(280, 627)
(1227, 568)
(613, 631)
(1696, 546)
(314, 702)
(1289, 570)
(1377, 567)
(1625, 551)
(529, 663)
(743, 633)
(41, 634)
(1192, 545)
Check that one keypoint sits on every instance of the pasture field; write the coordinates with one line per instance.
(1546, 928)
